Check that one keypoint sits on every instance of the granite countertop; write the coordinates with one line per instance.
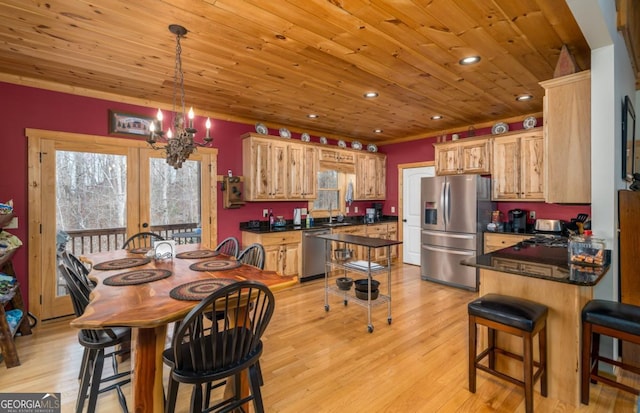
(319, 224)
(537, 261)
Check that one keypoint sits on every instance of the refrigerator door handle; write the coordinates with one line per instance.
(444, 202)
(448, 234)
(449, 251)
(448, 206)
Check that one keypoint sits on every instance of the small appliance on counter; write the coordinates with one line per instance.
(370, 216)
(518, 220)
(297, 217)
(378, 207)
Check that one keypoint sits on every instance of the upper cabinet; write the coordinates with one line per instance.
(468, 156)
(567, 132)
(518, 166)
(303, 170)
(371, 176)
(337, 156)
(264, 163)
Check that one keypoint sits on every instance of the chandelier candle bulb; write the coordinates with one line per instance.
(191, 116)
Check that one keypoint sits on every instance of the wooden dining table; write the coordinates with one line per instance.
(148, 309)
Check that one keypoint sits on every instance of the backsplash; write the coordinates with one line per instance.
(548, 211)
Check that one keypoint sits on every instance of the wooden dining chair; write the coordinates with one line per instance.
(229, 246)
(253, 255)
(141, 240)
(95, 343)
(201, 355)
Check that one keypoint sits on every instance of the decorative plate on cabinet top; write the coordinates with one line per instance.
(372, 147)
(323, 140)
(305, 137)
(284, 133)
(356, 145)
(342, 144)
(499, 128)
(262, 129)
(529, 122)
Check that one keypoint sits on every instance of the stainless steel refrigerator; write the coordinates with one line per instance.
(455, 211)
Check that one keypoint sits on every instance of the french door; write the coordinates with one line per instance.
(93, 192)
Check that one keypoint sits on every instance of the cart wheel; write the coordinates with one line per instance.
(326, 307)
(370, 328)
(389, 320)
(345, 302)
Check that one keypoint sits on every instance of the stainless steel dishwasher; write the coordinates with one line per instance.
(313, 253)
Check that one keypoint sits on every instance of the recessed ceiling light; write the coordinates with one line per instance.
(312, 115)
(436, 117)
(469, 60)
(523, 98)
(371, 95)
(377, 131)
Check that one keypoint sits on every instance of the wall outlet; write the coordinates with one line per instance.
(355, 210)
(346, 210)
(532, 214)
(265, 213)
(303, 211)
(393, 210)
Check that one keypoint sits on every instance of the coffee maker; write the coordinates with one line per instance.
(370, 215)
(377, 206)
(518, 220)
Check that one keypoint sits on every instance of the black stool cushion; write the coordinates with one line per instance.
(612, 314)
(511, 311)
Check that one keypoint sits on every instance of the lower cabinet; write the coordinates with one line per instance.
(388, 231)
(282, 250)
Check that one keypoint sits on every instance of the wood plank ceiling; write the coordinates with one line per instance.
(276, 61)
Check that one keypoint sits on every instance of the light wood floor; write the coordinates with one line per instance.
(317, 361)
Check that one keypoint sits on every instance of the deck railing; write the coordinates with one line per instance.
(88, 241)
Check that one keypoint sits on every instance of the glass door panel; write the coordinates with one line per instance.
(175, 200)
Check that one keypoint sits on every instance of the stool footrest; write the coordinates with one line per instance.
(513, 380)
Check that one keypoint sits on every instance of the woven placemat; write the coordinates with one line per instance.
(137, 277)
(198, 290)
(215, 265)
(122, 263)
(198, 254)
(140, 250)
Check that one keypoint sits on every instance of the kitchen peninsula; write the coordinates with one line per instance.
(544, 275)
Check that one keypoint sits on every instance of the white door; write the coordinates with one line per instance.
(411, 209)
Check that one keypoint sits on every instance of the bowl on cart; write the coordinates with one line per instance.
(344, 283)
(363, 285)
(363, 295)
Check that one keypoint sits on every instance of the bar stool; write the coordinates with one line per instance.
(613, 319)
(516, 316)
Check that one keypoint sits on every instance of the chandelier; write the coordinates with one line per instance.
(179, 143)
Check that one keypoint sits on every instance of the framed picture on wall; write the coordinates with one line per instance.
(630, 147)
(129, 124)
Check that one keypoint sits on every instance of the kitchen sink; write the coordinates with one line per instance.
(336, 224)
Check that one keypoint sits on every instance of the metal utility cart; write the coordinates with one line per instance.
(365, 267)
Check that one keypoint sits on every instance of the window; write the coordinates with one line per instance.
(331, 189)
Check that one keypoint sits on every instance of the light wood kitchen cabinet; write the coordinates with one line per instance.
(494, 241)
(468, 156)
(282, 250)
(371, 175)
(264, 162)
(389, 231)
(518, 166)
(359, 252)
(337, 156)
(303, 170)
(567, 133)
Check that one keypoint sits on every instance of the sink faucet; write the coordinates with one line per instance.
(330, 214)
